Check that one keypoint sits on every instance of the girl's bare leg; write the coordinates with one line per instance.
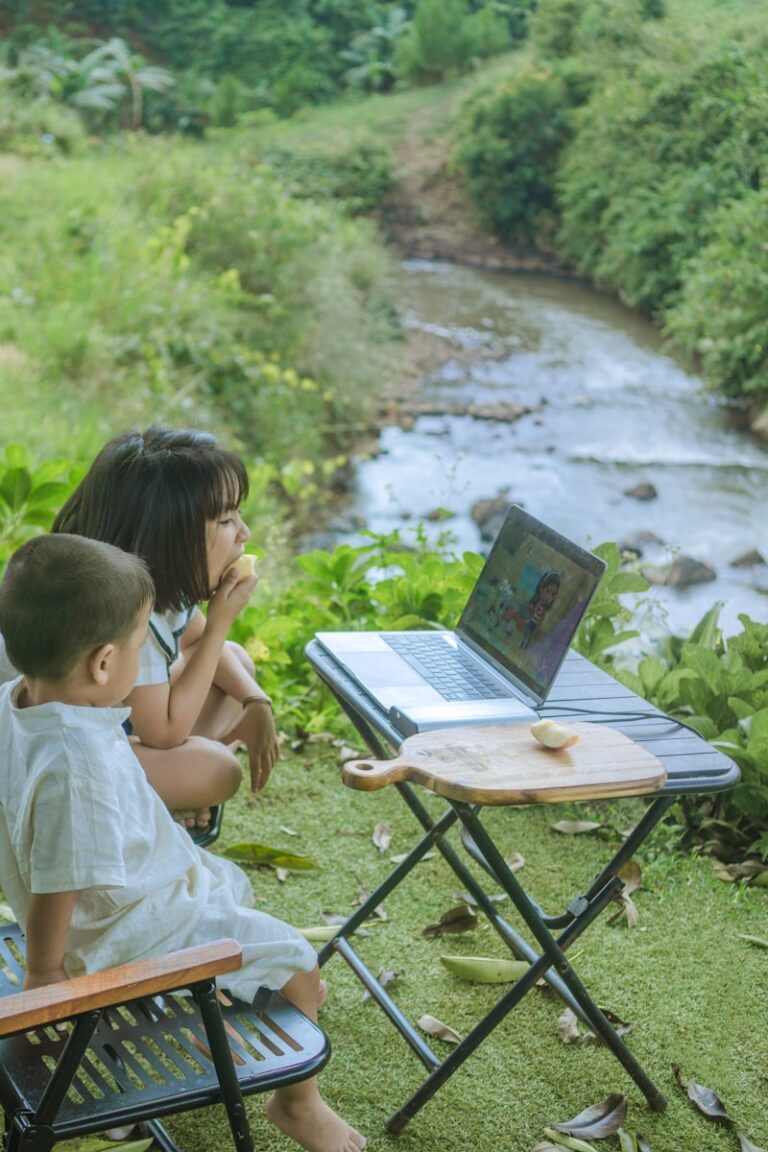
(224, 718)
(299, 1110)
(193, 777)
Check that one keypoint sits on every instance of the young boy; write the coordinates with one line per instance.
(91, 861)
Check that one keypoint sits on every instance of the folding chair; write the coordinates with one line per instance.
(126, 1046)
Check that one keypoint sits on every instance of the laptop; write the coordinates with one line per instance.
(500, 663)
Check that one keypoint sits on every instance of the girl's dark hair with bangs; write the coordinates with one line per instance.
(151, 494)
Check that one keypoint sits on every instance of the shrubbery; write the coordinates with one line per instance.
(640, 155)
(509, 147)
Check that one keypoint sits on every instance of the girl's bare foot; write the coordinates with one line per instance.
(313, 1124)
(322, 993)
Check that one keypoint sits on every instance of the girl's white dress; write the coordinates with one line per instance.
(77, 813)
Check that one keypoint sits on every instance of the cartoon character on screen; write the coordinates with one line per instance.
(540, 603)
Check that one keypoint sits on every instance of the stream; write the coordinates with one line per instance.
(612, 410)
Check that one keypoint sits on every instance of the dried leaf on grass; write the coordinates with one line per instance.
(575, 827)
(747, 1145)
(751, 871)
(707, 1101)
(434, 1027)
(455, 920)
(710, 1105)
(262, 856)
(632, 877)
(468, 898)
(382, 837)
(402, 856)
(385, 979)
(568, 1026)
(597, 1121)
(515, 861)
(759, 941)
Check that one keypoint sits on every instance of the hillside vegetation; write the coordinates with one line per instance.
(633, 141)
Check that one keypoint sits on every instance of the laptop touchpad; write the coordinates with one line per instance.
(382, 668)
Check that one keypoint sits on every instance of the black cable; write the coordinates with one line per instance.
(606, 717)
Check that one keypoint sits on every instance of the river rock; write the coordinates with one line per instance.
(489, 514)
(642, 492)
(681, 573)
(637, 542)
(501, 411)
(749, 559)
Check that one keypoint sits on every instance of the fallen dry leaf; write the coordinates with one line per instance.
(760, 941)
(385, 979)
(515, 861)
(632, 877)
(597, 1121)
(455, 920)
(707, 1101)
(575, 827)
(382, 837)
(568, 1027)
(434, 1027)
(747, 1145)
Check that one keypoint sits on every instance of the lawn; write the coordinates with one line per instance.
(692, 989)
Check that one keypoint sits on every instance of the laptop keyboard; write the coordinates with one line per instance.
(447, 669)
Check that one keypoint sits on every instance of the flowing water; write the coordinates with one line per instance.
(615, 410)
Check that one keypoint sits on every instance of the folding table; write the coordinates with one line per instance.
(684, 763)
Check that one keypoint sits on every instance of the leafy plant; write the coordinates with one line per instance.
(508, 149)
(30, 496)
(719, 687)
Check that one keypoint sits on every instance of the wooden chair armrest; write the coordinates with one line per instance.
(38, 1006)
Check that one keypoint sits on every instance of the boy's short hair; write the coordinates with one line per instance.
(63, 596)
(152, 493)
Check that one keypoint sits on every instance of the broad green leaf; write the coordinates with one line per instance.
(262, 854)
(573, 1142)
(16, 456)
(15, 486)
(705, 664)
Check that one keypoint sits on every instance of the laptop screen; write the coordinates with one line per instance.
(529, 599)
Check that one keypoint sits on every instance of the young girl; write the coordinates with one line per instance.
(173, 497)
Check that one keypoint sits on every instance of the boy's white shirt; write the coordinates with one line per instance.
(7, 670)
(77, 813)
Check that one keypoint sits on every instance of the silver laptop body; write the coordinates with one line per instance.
(501, 661)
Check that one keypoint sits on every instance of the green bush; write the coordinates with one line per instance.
(38, 127)
(653, 157)
(445, 39)
(357, 173)
(719, 318)
(509, 148)
(719, 687)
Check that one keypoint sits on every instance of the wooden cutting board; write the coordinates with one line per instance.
(505, 764)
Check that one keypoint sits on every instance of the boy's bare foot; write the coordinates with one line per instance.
(322, 993)
(313, 1124)
(193, 819)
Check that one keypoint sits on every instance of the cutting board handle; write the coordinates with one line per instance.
(370, 775)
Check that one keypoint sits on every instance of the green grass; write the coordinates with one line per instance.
(693, 991)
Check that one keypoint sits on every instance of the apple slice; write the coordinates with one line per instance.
(553, 735)
(245, 565)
